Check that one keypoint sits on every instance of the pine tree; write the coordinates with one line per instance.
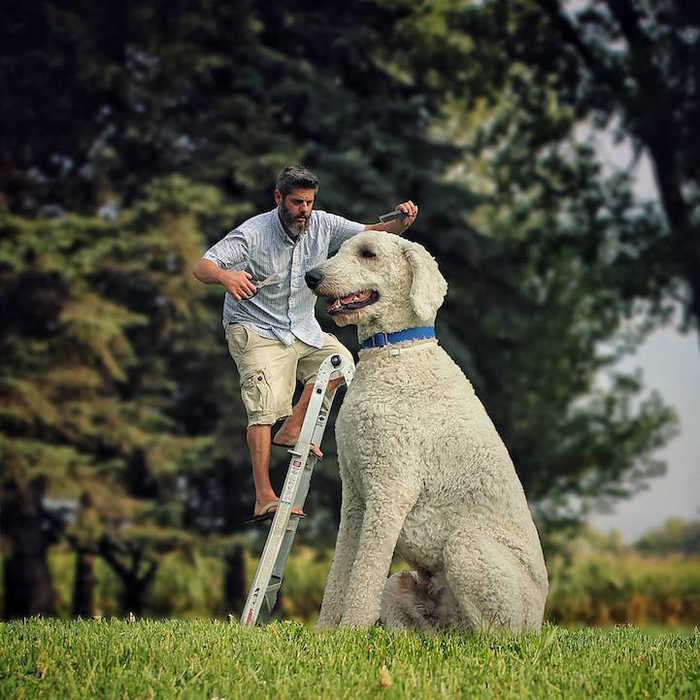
(102, 325)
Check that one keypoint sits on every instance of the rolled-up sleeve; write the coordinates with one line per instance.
(231, 251)
(340, 230)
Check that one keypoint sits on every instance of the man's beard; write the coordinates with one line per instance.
(295, 226)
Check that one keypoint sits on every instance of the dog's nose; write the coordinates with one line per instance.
(313, 278)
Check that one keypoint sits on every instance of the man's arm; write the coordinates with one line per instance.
(215, 266)
(397, 226)
(238, 284)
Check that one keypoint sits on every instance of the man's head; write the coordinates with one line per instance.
(295, 192)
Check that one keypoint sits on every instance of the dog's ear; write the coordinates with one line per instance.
(428, 287)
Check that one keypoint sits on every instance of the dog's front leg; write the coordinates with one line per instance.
(351, 515)
(384, 516)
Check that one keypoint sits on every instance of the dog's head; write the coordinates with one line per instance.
(380, 283)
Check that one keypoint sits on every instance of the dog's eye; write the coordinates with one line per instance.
(367, 253)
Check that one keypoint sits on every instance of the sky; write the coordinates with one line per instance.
(671, 365)
(670, 362)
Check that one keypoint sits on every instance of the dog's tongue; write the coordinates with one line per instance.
(355, 296)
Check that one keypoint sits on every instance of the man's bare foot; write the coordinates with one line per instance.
(288, 435)
(270, 507)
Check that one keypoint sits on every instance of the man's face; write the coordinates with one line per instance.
(295, 209)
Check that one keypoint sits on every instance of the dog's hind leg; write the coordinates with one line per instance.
(485, 580)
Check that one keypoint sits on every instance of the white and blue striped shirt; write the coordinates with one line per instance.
(261, 246)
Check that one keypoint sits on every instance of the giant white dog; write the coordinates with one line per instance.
(423, 469)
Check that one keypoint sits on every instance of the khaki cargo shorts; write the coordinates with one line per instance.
(269, 370)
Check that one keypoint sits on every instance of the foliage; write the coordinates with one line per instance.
(530, 236)
(101, 324)
(596, 580)
(628, 68)
(200, 658)
(557, 259)
(676, 536)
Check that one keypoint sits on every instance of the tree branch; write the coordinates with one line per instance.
(150, 572)
(601, 72)
(106, 552)
(641, 49)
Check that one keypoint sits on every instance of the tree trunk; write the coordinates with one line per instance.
(134, 586)
(27, 581)
(133, 595)
(234, 580)
(84, 585)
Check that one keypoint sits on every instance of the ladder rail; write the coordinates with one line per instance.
(304, 483)
(294, 492)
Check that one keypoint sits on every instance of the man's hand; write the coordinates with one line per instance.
(411, 211)
(397, 226)
(238, 284)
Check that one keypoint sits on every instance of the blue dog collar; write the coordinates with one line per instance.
(381, 339)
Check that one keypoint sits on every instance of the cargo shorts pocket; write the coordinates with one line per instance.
(257, 395)
(238, 338)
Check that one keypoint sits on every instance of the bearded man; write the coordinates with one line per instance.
(270, 326)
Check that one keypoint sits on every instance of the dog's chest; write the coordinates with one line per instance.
(376, 403)
(388, 391)
(377, 428)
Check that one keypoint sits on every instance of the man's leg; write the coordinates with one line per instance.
(267, 377)
(288, 434)
(258, 438)
(309, 361)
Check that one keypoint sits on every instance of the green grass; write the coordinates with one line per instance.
(210, 659)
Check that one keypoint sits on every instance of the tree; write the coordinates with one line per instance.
(630, 68)
(544, 289)
(676, 536)
(98, 321)
(26, 577)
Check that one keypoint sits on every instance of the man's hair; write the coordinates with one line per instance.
(296, 176)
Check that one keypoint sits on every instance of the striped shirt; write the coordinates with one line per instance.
(285, 309)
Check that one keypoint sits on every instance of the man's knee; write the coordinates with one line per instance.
(259, 429)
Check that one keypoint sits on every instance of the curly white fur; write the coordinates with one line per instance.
(423, 469)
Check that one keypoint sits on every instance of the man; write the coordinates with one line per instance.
(272, 332)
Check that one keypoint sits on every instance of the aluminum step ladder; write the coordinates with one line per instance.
(268, 576)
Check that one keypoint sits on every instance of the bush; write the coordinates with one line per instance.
(596, 580)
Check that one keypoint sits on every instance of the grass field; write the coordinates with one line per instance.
(213, 659)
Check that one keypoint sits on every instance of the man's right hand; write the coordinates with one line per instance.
(239, 284)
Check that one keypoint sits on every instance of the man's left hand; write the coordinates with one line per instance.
(397, 226)
(411, 211)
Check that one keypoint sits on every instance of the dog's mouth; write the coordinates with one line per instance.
(351, 302)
